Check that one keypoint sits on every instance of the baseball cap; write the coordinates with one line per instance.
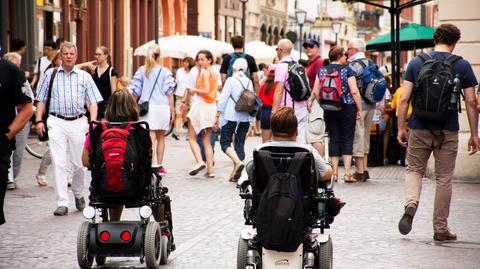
(271, 69)
(311, 42)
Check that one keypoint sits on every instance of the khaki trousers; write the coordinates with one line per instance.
(421, 143)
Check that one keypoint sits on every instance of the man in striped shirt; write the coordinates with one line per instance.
(72, 88)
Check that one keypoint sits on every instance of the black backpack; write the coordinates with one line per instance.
(280, 218)
(120, 162)
(298, 81)
(433, 88)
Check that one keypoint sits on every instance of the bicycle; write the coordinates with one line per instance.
(34, 146)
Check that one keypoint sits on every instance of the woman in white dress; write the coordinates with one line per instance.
(154, 84)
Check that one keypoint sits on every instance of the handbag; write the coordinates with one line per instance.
(44, 137)
(144, 106)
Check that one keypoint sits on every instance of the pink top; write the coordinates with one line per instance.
(281, 75)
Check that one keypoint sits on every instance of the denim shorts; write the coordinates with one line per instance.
(265, 114)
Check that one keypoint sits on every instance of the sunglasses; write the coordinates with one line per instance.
(308, 46)
(277, 49)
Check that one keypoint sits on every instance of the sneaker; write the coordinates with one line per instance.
(445, 236)
(11, 185)
(80, 203)
(61, 211)
(162, 171)
(405, 223)
(197, 169)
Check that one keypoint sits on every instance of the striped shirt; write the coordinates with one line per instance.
(70, 92)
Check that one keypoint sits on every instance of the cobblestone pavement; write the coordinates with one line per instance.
(208, 219)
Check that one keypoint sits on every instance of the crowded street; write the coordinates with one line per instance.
(208, 219)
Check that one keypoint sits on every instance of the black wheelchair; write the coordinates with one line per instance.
(316, 250)
(152, 241)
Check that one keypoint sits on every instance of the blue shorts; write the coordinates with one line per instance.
(265, 114)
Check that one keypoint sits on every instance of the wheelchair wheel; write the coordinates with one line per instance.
(325, 255)
(152, 245)
(165, 250)
(100, 260)
(84, 258)
(242, 250)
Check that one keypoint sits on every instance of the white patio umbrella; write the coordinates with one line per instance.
(265, 53)
(181, 46)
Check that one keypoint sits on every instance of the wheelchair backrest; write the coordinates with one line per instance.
(282, 157)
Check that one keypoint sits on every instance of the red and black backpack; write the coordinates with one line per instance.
(120, 161)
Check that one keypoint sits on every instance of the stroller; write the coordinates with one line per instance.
(99, 238)
(314, 248)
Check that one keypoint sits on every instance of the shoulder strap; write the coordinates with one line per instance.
(110, 72)
(104, 125)
(267, 161)
(154, 84)
(360, 62)
(425, 57)
(239, 81)
(453, 58)
(296, 163)
(49, 92)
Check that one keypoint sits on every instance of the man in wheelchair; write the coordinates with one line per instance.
(288, 196)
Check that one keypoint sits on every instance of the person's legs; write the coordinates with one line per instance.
(6, 148)
(302, 117)
(359, 143)
(418, 151)
(333, 121)
(200, 144)
(445, 157)
(347, 132)
(160, 137)
(20, 141)
(208, 149)
(76, 141)
(58, 148)
(265, 115)
(45, 163)
(226, 139)
(366, 144)
(194, 146)
(240, 135)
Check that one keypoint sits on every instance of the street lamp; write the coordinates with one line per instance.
(300, 15)
(243, 17)
(336, 29)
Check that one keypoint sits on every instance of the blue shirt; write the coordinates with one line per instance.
(345, 73)
(232, 89)
(142, 85)
(467, 78)
(70, 92)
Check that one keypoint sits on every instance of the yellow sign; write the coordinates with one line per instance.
(40, 2)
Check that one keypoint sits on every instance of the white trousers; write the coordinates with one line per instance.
(302, 118)
(66, 143)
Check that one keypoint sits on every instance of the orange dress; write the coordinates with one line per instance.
(203, 110)
(211, 97)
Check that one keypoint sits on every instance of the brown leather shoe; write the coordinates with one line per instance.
(358, 176)
(366, 175)
(444, 236)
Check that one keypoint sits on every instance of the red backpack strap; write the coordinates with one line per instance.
(104, 125)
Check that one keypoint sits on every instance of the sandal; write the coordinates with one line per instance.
(335, 177)
(41, 180)
(349, 179)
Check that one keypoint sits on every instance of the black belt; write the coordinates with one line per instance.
(67, 118)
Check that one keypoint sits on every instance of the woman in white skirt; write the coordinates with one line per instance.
(154, 84)
(201, 116)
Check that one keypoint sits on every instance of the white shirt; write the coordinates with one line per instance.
(183, 81)
(40, 68)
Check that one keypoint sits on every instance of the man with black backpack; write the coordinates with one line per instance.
(238, 43)
(435, 82)
(292, 86)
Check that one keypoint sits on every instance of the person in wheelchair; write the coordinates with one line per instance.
(289, 201)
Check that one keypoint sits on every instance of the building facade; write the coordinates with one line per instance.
(120, 25)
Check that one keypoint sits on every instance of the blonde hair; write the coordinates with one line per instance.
(151, 59)
(68, 45)
(106, 51)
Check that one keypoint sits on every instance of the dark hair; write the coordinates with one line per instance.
(51, 44)
(237, 42)
(121, 107)
(261, 66)
(326, 62)
(207, 54)
(335, 53)
(17, 44)
(303, 62)
(284, 122)
(190, 61)
(447, 34)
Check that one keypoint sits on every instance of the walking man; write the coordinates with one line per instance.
(71, 89)
(438, 134)
(361, 143)
(16, 109)
(282, 97)
(315, 131)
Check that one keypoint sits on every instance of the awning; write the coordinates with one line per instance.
(412, 36)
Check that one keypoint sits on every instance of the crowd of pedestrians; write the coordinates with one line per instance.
(202, 97)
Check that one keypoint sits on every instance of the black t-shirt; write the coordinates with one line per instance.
(467, 77)
(103, 82)
(252, 65)
(14, 90)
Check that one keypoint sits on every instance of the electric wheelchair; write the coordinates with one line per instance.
(321, 206)
(152, 241)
